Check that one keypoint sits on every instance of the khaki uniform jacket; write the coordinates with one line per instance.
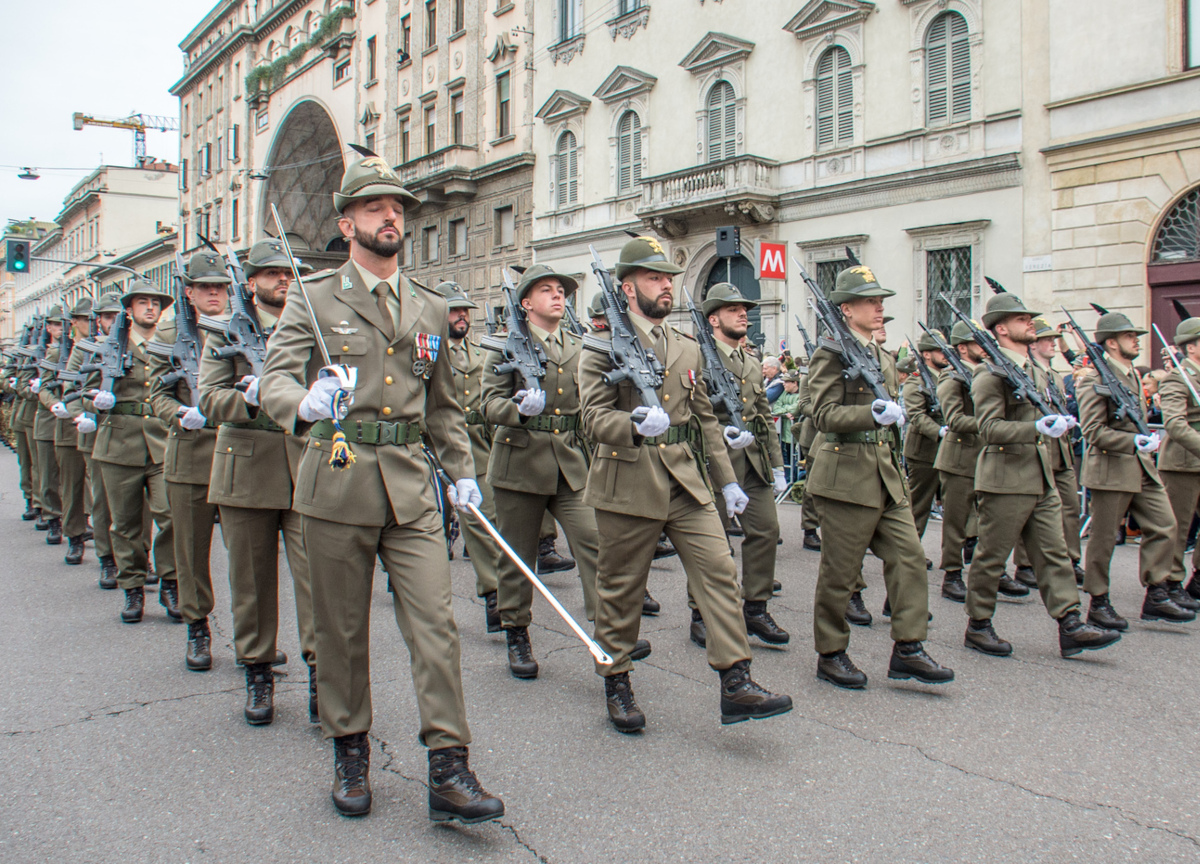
(921, 439)
(808, 430)
(1111, 461)
(189, 451)
(132, 440)
(1181, 417)
(65, 433)
(84, 443)
(384, 477)
(857, 473)
(25, 405)
(252, 468)
(1062, 457)
(960, 448)
(1015, 459)
(44, 422)
(520, 456)
(628, 476)
(765, 453)
(466, 367)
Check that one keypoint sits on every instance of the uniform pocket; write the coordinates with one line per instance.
(230, 454)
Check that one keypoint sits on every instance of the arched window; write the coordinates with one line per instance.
(835, 99)
(947, 70)
(287, 39)
(1178, 238)
(629, 152)
(567, 180)
(307, 25)
(722, 122)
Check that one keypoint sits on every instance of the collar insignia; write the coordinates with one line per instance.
(347, 283)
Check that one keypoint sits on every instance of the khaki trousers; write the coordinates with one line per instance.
(520, 518)
(808, 510)
(760, 521)
(923, 484)
(127, 490)
(72, 477)
(958, 503)
(252, 541)
(101, 518)
(1153, 512)
(192, 516)
(35, 474)
(889, 533)
(549, 529)
(341, 560)
(1067, 484)
(1183, 491)
(1036, 520)
(485, 554)
(48, 496)
(626, 550)
(23, 438)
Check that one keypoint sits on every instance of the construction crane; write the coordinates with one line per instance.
(139, 123)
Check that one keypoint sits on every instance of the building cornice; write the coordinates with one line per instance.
(1129, 88)
(1124, 134)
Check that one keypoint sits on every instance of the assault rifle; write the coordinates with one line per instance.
(631, 361)
(35, 350)
(1127, 405)
(59, 366)
(112, 357)
(185, 353)
(490, 321)
(722, 387)
(520, 352)
(957, 368)
(809, 347)
(10, 356)
(573, 324)
(935, 407)
(242, 331)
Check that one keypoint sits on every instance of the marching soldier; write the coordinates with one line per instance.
(758, 467)
(805, 436)
(466, 366)
(539, 462)
(647, 476)
(130, 445)
(925, 432)
(1016, 495)
(857, 485)
(188, 466)
(24, 411)
(1118, 469)
(1179, 461)
(49, 497)
(253, 477)
(393, 332)
(72, 467)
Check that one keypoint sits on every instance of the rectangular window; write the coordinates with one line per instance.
(405, 37)
(216, 223)
(183, 175)
(456, 114)
(187, 117)
(206, 164)
(341, 72)
(948, 274)
(430, 23)
(406, 251)
(369, 141)
(430, 129)
(237, 80)
(262, 120)
(503, 105)
(460, 15)
(234, 142)
(627, 6)
(827, 273)
(504, 226)
(234, 219)
(219, 153)
(431, 241)
(568, 23)
(1191, 34)
(457, 236)
(405, 132)
(371, 58)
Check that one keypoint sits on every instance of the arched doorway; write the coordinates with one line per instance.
(1173, 271)
(740, 271)
(304, 170)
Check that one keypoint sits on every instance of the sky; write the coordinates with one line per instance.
(110, 59)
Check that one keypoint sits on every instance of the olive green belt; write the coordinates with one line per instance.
(262, 421)
(873, 436)
(139, 408)
(474, 418)
(369, 432)
(552, 423)
(685, 433)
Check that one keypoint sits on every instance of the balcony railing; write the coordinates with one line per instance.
(441, 173)
(732, 184)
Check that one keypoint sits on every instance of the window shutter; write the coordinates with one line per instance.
(183, 177)
(623, 155)
(960, 69)
(635, 135)
(730, 123)
(714, 126)
(825, 99)
(629, 152)
(948, 69)
(845, 100)
(572, 172)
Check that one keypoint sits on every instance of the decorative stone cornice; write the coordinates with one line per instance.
(626, 25)
(716, 49)
(818, 17)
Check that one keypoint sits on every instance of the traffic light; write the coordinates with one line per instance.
(17, 259)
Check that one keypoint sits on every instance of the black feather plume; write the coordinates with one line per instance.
(633, 234)
(994, 285)
(1100, 310)
(517, 268)
(852, 258)
(1182, 310)
(208, 243)
(361, 151)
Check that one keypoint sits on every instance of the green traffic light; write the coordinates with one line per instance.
(18, 265)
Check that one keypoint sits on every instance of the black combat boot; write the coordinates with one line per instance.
(743, 699)
(641, 650)
(760, 623)
(909, 660)
(260, 694)
(812, 542)
(1080, 573)
(42, 523)
(650, 606)
(837, 668)
(1010, 587)
(698, 632)
(135, 605)
(549, 561)
(74, 550)
(199, 646)
(351, 766)
(968, 549)
(953, 587)
(520, 653)
(1180, 597)
(857, 612)
(314, 714)
(454, 790)
(54, 531)
(623, 710)
(981, 636)
(108, 572)
(1102, 614)
(31, 512)
(1026, 577)
(1158, 606)
(491, 611)
(168, 596)
(1075, 636)
(663, 549)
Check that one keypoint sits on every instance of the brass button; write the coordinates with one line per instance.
(878, 443)
(465, 392)
(147, 368)
(559, 370)
(662, 446)
(666, 397)
(345, 347)
(391, 351)
(317, 444)
(614, 452)
(559, 391)
(743, 380)
(228, 449)
(387, 412)
(147, 399)
(555, 431)
(835, 449)
(743, 398)
(666, 371)
(388, 380)
(1001, 449)
(147, 384)
(556, 411)
(507, 440)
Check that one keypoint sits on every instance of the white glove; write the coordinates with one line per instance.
(530, 402)
(250, 394)
(192, 419)
(1054, 425)
(464, 493)
(60, 411)
(35, 385)
(103, 400)
(85, 423)
(1071, 419)
(650, 422)
(12, 382)
(737, 439)
(780, 483)
(1146, 443)
(735, 499)
(318, 404)
(887, 412)
(942, 432)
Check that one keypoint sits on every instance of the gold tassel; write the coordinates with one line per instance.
(341, 456)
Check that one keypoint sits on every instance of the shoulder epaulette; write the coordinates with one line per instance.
(683, 334)
(320, 274)
(422, 286)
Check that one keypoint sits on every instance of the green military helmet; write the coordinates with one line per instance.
(267, 253)
(370, 177)
(205, 267)
(644, 253)
(907, 364)
(926, 343)
(596, 310)
(1113, 324)
(725, 294)
(856, 283)
(456, 297)
(145, 288)
(1003, 306)
(1042, 328)
(1187, 331)
(108, 302)
(537, 273)
(82, 308)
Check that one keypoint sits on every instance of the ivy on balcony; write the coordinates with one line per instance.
(270, 75)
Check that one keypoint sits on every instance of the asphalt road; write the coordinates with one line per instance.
(110, 750)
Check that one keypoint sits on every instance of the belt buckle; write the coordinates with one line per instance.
(358, 431)
(387, 433)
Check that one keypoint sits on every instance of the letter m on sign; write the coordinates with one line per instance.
(772, 260)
